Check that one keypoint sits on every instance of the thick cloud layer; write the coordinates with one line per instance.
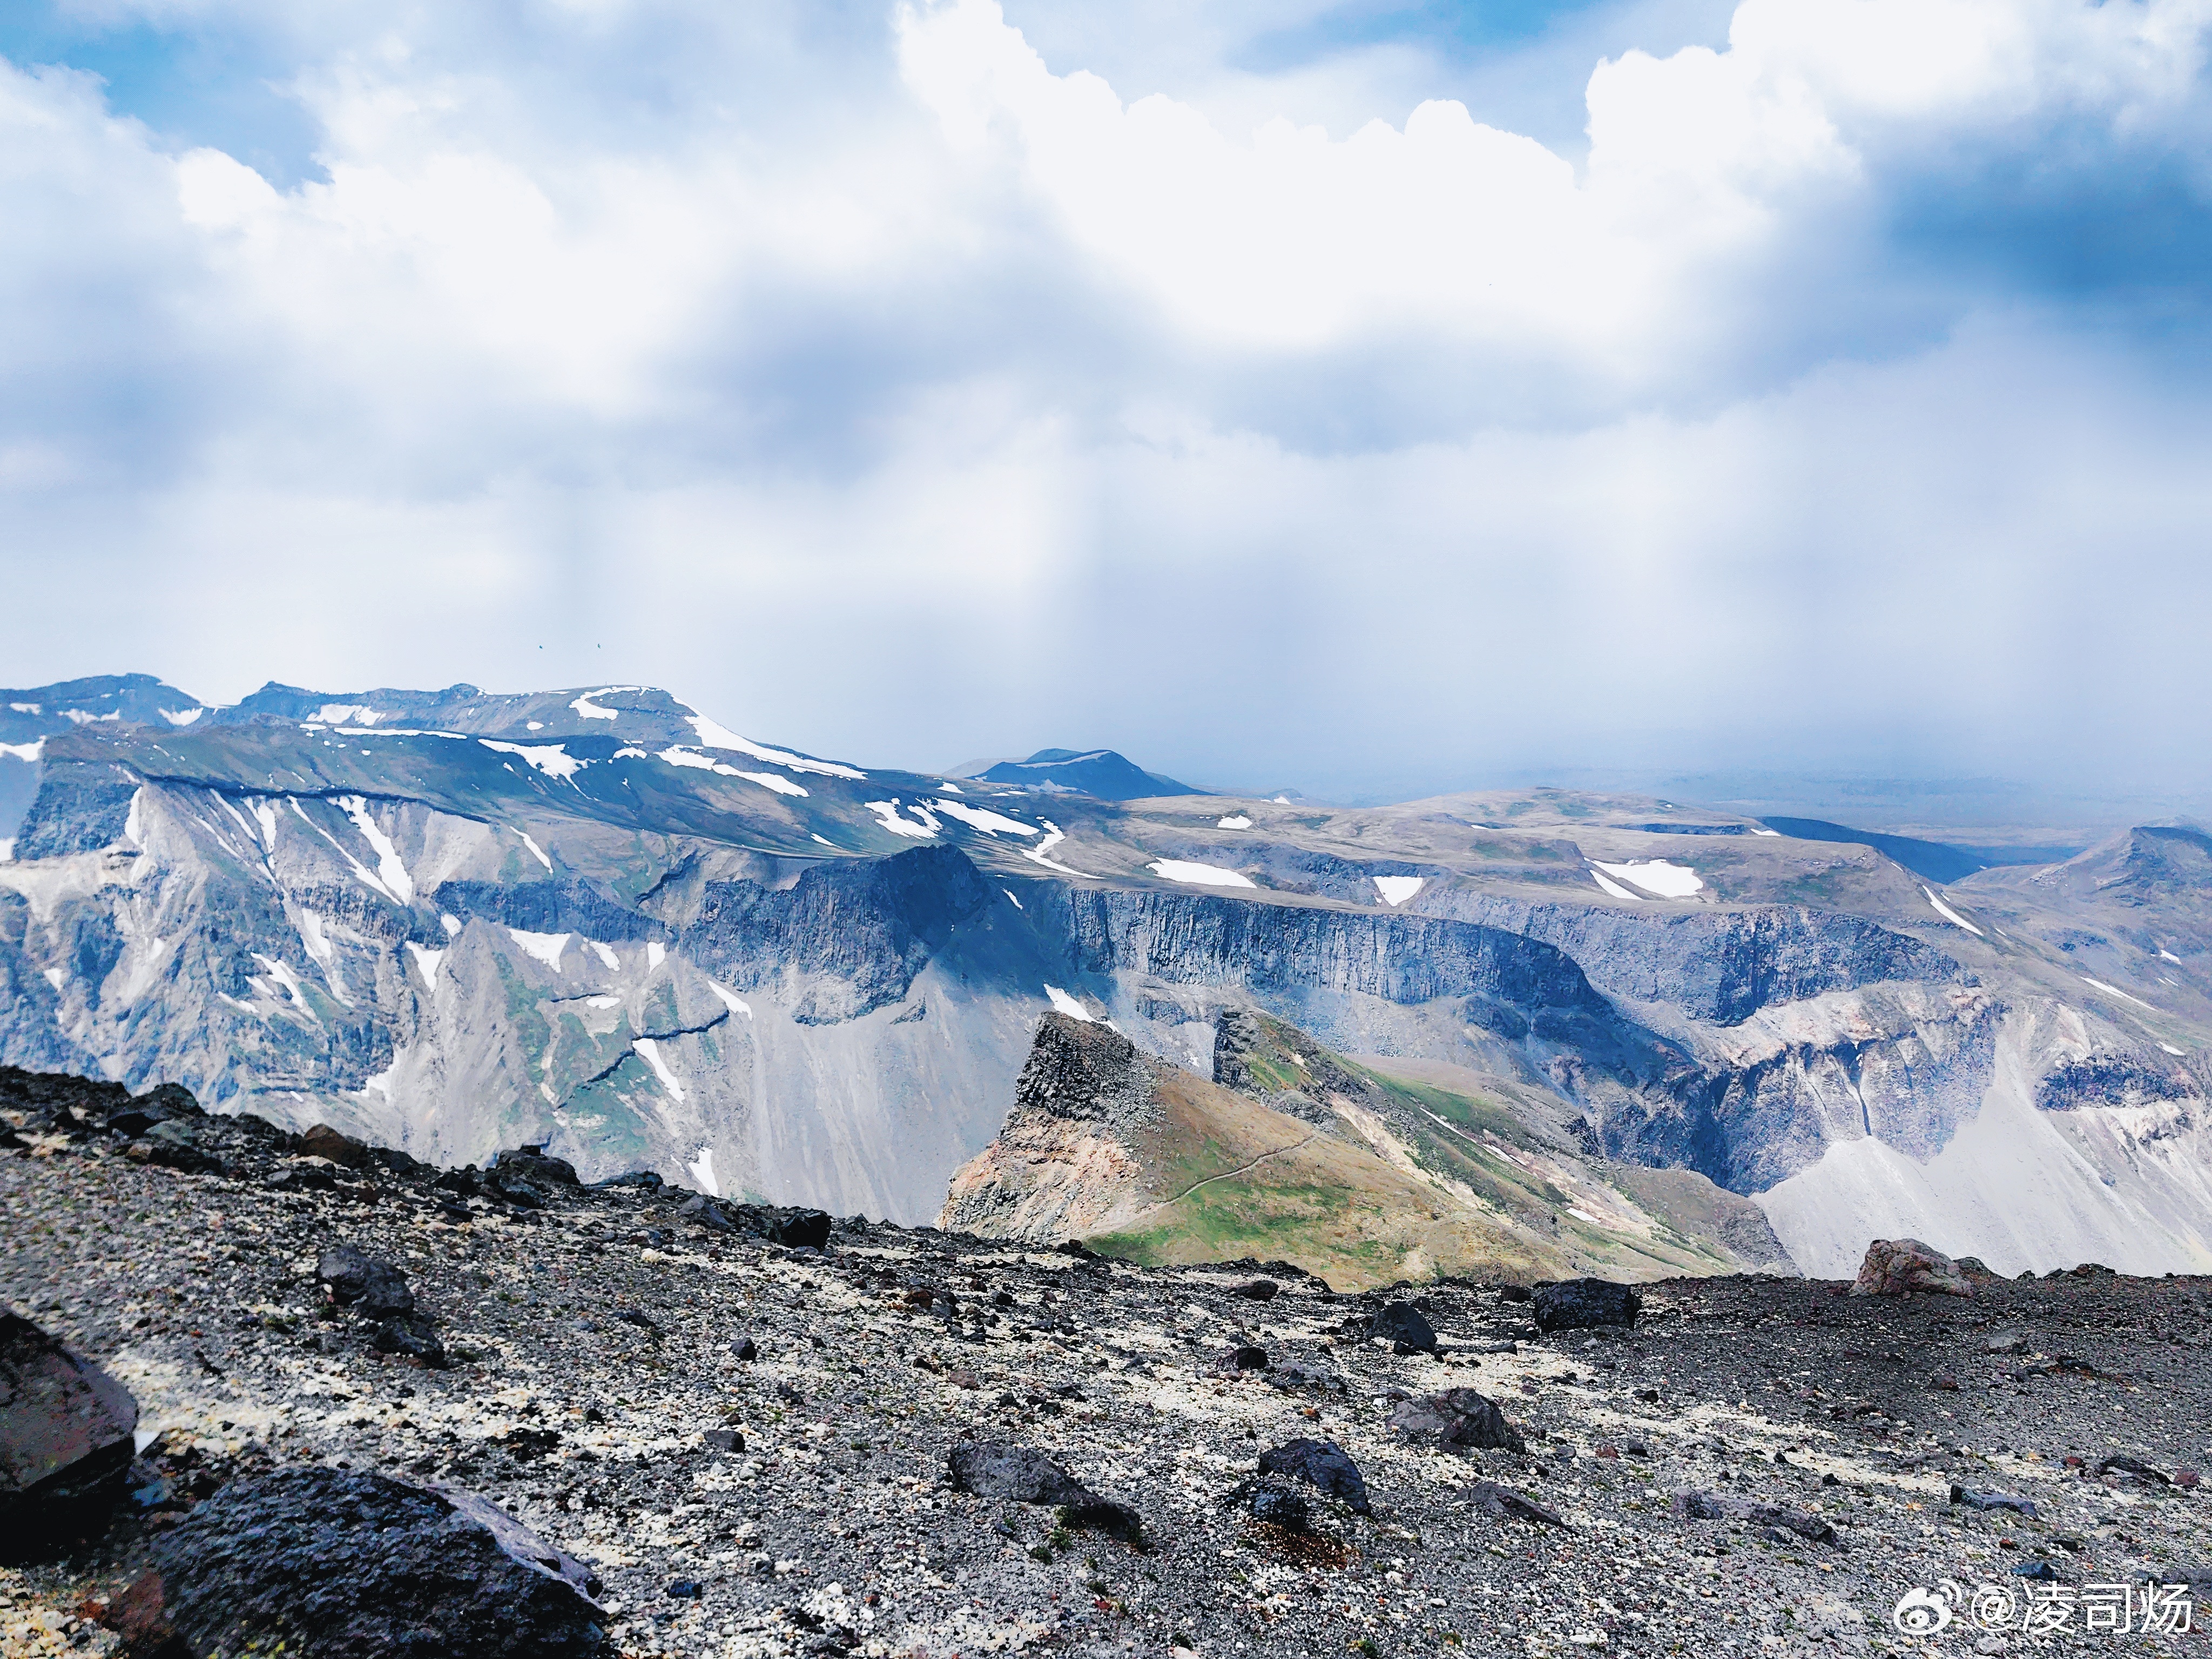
(895, 384)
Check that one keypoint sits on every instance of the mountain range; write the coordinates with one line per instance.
(1554, 1026)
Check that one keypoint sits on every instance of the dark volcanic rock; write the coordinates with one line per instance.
(1709, 1506)
(1581, 1304)
(174, 1143)
(348, 1566)
(703, 1209)
(1274, 1502)
(373, 1286)
(2122, 1464)
(1969, 1498)
(171, 1103)
(65, 1438)
(1403, 1326)
(1508, 1505)
(320, 1141)
(1457, 1417)
(411, 1337)
(534, 1163)
(1000, 1469)
(795, 1228)
(1321, 1463)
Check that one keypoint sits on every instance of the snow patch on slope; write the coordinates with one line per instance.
(702, 1170)
(982, 817)
(731, 1000)
(2115, 991)
(713, 736)
(388, 866)
(1656, 876)
(550, 758)
(648, 1049)
(24, 751)
(1615, 888)
(1040, 853)
(887, 814)
(587, 710)
(546, 947)
(1949, 915)
(1199, 875)
(1067, 1005)
(1396, 890)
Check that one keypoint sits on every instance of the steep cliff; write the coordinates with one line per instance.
(1308, 1158)
(1144, 1161)
(596, 918)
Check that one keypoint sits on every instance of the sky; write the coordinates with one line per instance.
(1378, 398)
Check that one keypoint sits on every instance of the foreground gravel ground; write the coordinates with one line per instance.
(795, 1501)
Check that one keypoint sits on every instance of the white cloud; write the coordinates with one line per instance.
(911, 359)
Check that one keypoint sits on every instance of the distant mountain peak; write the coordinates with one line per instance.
(1101, 773)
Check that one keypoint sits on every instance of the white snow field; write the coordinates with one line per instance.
(1199, 875)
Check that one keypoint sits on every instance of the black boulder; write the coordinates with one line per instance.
(1323, 1464)
(66, 1430)
(349, 1565)
(1581, 1304)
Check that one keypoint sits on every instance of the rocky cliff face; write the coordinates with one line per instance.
(1065, 1164)
(1109, 1145)
(598, 919)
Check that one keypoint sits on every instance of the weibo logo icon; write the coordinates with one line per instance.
(1924, 1612)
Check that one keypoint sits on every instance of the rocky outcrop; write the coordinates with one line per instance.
(357, 1565)
(1063, 1165)
(1459, 1418)
(1897, 1266)
(66, 1431)
(1143, 1160)
(1582, 1304)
